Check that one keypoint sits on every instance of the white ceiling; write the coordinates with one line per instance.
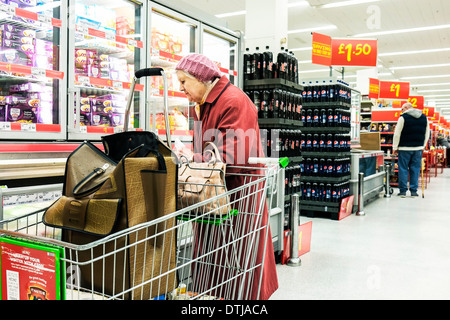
(356, 19)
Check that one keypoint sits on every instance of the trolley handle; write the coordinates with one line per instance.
(149, 72)
(283, 162)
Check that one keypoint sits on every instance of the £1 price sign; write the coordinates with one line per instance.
(394, 90)
(354, 52)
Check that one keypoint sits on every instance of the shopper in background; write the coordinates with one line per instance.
(226, 116)
(442, 141)
(410, 138)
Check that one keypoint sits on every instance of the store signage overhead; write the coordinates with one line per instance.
(385, 115)
(321, 49)
(428, 111)
(394, 90)
(417, 101)
(354, 52)
(374, 88)
(344, 52)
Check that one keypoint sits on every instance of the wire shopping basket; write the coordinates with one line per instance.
(215, 257)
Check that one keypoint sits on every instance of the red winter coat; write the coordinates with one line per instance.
(230, 120)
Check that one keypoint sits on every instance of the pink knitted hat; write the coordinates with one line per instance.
(199, 66)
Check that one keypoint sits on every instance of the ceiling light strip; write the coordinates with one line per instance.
(382, 33)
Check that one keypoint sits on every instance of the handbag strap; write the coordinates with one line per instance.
(143, 152)
(215, 152)
(96, 172)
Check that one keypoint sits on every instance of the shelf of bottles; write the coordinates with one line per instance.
(325, 144)
(274, 89)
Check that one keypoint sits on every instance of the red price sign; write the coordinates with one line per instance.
(321, 52)
(417, 101)
(394, 90)
(374, 88)
(428, 111)
(354, 52)
(385, 115)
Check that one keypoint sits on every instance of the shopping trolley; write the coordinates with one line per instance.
(189, 254)
(216, 256)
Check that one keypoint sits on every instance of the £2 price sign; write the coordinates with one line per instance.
(394, 90)
(354, 52)
(417, 101)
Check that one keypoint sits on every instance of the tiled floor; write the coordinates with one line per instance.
(399, 250)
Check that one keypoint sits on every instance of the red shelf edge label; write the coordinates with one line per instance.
(111, 37)
(38, 17)
(109, 83)
(17, 68)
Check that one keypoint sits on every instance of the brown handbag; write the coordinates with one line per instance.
(198, 182)
(102, 197)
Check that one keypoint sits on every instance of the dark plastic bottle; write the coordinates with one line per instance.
(309, 142)
(314, 194)
(315, 93)
(330, 168)
(247, 64)
(336, 142)
(328, 192)
(276, 103)
(265, 101)
(322, 167)
(294, 68)
(257, 102)
(288, 112)
(329, 143)
(283, 105)
(315, 142)
(330, 118)
(322, 118)
(324, 92)
(309, 118)
(271, 104)
(337, 118)
(308, 191)
(332, 92)
(282, 64)
(267, 63)
(302, 141)
(315, 118)
(322, 142)
(309, 93)
(258, 64)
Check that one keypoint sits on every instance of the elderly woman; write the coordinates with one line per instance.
(226, 116)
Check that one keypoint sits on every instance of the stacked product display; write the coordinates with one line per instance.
(24, 43)
(277, 103)
(325, 143)
(271, 82)
(261, 65)
(103, 66)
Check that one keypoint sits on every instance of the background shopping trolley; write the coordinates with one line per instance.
(216, 256)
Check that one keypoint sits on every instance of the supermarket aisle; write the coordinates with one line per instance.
(399, 250)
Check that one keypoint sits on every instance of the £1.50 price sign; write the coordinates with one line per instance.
(354, 52)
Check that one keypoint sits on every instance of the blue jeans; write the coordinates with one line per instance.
(409, 163)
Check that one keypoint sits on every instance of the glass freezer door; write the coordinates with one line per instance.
(172, 37)
(32, 69)
(223, 49)
(106, 47)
